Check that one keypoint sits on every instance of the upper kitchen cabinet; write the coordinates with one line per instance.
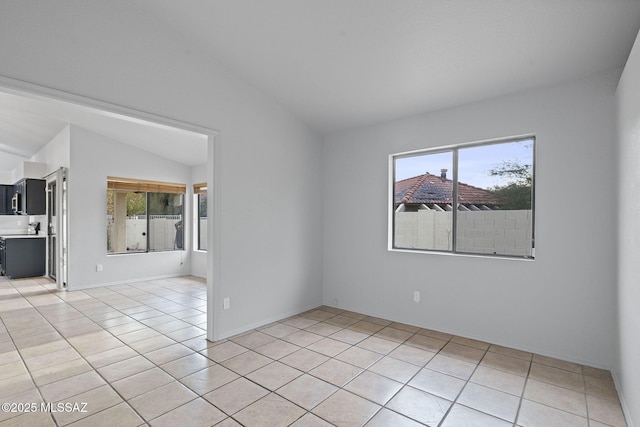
(29, 197)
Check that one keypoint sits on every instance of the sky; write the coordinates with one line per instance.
(474, 163)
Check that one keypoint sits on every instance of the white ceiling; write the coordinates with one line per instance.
(346, 63)
(339, 64)
(29, 123)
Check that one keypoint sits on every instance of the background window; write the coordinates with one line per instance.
(144, 216)
(492, 184)
(200, 190)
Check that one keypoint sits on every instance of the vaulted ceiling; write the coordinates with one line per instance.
(339, 64)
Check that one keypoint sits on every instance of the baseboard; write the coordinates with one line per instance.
(225, 335)
(121, 282)
(623, 402)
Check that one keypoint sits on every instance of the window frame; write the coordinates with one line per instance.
(453, 149)
(198, 190)
(147, 187)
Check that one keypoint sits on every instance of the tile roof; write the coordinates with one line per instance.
(432, 189)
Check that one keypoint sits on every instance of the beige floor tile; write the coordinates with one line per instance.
(310, 420)
(224, 351)
(60, 390)
(47, 348)
(60, 372)
(109, 357)
(197, 413)
(438, 384)
(304, 360)
(229, 422)
(605, 411)
(270, 411)
(366, 327)
(374, 387)
(324, 329)
(404, 327)
(420, 406)
(359, 357)
(349, 336)
(393, 334)
(209, 379)
(236, 395)
(302, 338)
(94, 343)
(32, 419)
(601, 374)
(499, 380)
(379, 345)
(512, 352)
(274, 375)
(557, 376)
(162, 400)
(336, 372)
(138, 335)
(28, 396)
(12, 369)
(318, 314)
(534, 414)
(14, 385)
(481, 345)
(151, 344)
(117, 416)
(395, 369)
(346, 409)
(490, 401)
(342, 321)
(168, 354)
(307, 391)
(299, 322)
(141, 383)
(463, 352)
(557, 363)
(277, 349)
(354, 315)
(556, 397)
(412, 355)
(601, 388)
(435, 334)
(187, 365)
(425, 342)
(387, 418)
(506, 363)
(253, 340)
(279, 330)
(246, 362)
(329, 347)
(51, 359)
(450, 366)
(125, 368)
(88, 403)
(461, 416)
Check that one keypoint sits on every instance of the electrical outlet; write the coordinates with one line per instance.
(416, 296)
(226, 303)
(99, 267)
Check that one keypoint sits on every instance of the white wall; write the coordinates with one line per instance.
(56, 153)
(561, 304)
(267, 160)
(627, 370)
(93, 158)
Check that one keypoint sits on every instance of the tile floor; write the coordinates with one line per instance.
(136, 354)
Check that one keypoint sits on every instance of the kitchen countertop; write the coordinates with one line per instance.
(22, 236)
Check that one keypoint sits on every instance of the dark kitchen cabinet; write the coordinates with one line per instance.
(31, 196)
(6, 193)
(22, 257)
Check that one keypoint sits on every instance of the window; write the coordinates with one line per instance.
(473, 198)
(144, 216)
(200, 192)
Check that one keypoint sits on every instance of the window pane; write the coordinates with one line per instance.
(165, 221)
(495, 194)
(202, 221)
(423, 197)
(126, 221)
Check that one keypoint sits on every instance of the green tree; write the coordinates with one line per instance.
(516, 194)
